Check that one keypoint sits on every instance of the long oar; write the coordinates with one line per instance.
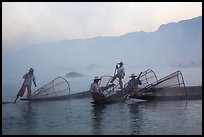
(16, 99)
(111, 77)
(129, 91)
(113, 74)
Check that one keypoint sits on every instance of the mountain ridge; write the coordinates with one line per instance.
(171, 44)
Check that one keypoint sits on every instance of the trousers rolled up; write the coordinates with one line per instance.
(119, 76)
(22, 91)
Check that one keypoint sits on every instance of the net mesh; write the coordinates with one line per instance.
(147, 77)
(105, 81)
(57, 87)
(171, 85)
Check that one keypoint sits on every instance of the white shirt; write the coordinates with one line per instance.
(28, 79)
(95, 87)
(133, 84)
(121, 71)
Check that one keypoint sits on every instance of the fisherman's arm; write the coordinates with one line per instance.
(34, 81)
(25, 75)
(140, 82)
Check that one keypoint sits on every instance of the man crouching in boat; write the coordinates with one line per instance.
(133, 86)
(96, 93)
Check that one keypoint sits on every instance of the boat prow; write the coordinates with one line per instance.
(134, 100)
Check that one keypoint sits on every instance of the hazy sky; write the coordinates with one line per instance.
(27, 23)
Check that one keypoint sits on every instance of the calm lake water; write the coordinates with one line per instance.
(80, 117)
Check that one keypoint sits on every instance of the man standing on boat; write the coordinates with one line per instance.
(120, 74)
(29, 77)
(96, 93)
(132, 85)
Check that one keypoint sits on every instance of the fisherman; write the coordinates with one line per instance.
(120, 74)
(29, 77)
(132, 86)
(96, 93)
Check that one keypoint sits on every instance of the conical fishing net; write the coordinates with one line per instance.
(55, 88)
(170, 85)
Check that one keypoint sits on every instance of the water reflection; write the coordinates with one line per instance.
(136, 117)
(28, 118)
(97, 113)
(157, 117)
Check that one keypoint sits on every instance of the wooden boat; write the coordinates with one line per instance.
(169, 87)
